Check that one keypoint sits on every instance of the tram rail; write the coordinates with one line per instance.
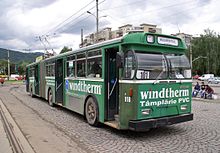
(18, 142)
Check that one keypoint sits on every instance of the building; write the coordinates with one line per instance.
(104, 34)
(151, 28)
(186, 37)
(107, 33)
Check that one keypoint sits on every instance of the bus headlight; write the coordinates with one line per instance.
(150, 38)
(183, 107)
(146, 111)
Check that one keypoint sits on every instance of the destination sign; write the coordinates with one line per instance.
(167, 41)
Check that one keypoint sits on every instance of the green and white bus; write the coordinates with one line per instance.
(136, 82)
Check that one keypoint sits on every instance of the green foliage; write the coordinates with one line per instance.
(16, 56)
(18, 61)
(65, 49)
(207, 45)
(3, 66)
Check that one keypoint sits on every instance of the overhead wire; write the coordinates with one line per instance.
(159, 9)
(67, 26)
(53, 29)
(75, 21)
(61, 25)
(181, 12)
(123, 5)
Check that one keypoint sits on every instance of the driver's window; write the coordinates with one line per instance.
(129, 69)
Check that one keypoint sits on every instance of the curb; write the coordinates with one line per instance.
(207, 100)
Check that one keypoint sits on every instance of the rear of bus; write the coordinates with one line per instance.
(156, 85)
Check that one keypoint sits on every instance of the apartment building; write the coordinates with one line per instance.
(107, 33)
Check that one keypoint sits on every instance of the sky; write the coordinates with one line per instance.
(34, 25)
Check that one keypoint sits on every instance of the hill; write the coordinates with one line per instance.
(16, 56)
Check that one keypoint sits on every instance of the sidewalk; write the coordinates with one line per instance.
(11, 137)
(4, 143)
(207, 100)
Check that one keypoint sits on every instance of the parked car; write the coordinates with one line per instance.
(19, 78)
(205, 77)
(196, 76)
(2, 80)
(214, 80)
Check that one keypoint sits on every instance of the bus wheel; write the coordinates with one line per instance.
(92, 112)
(50, 98)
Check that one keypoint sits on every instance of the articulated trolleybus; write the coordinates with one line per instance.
(137, 82)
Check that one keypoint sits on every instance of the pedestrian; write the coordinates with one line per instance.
(196, 90)
(202, 91)
(208, 92)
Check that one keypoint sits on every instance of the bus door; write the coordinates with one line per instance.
(36, 79)
(27, 79)
(111, 81)
(59, 81)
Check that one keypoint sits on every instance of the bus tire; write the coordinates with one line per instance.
(50, 98)
(92, 112)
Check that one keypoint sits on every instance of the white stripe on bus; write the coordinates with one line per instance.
(154, 81)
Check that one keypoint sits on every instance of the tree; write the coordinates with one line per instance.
(65, 49)
(207, 45)
(22, 67)
(3, 66)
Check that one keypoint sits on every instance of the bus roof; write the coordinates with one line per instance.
(131, 38)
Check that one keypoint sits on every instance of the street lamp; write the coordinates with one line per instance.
(97, 22)
(198, 58)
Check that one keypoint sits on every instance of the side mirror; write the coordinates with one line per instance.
(120, 59)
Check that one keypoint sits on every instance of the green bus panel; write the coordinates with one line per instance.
(162, 99)
(76, 92)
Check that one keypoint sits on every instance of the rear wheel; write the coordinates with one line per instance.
(50, 98)
(92, 112)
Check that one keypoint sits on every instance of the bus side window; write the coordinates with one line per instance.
(81, 67)
(94, 67)
(70, 68)
(129, 68)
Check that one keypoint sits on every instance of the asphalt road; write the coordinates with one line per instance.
(58, 130)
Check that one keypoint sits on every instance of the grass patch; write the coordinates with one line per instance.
(14, 82)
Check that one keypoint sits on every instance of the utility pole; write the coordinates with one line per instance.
(97, 17)
(190, 54)
(97, 21)
(82, 37)
(8, 66)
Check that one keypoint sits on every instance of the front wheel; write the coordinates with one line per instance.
(92, 112)
(50, 98)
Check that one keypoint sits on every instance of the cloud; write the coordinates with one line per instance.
(13, 43)
(22, 21)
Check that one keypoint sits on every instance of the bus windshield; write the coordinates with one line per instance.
(179, 66)
(161, 66)
(151, 66)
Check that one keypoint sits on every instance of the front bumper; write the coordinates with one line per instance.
(143, 125)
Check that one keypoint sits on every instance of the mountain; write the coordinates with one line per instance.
(16, 56)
